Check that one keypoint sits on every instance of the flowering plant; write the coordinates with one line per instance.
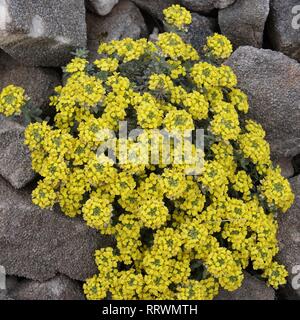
(183, 229)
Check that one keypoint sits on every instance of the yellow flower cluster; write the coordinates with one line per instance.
(221, 264)
(12, 99)
(153, 213)
(177, 69)
(242, 183)
(277, 190)
(76, 65)
(226, 125)
(44, 195)
(276, 275)
(218, 46)
(174, 47)
(97, 212)
(178, 236)
(177, 16)
(179, 120)
(197, 105)
(205, 75)
(198, 290)
(239, 99)
(149, 115)
(126, 49)
(161, 83)
(107, 64)
(95, 288)
(255, 147)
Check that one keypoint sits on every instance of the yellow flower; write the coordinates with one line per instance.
(174, 183)
(239, 99)
(255, 128)
(198, 290)
(107, 64)
(12, 99)
(194, 234)
(97, 213)
(214, 178)
(44, 195)
(149, 115)
(127, 285)
(197, 105)
(226, 125)
(241, 182)
(35, 134)
(177, 69)
(174, 47)
(179, 120)
(153, 213)
(160, 82)
(221, 265)
(205, 75)
(95, 288)
(276, 275)
(277, 190)
(218, 46)
(127, 49)
(106, 261)
(226, 77)
(255, 148)
(76, 65)
(177, 16)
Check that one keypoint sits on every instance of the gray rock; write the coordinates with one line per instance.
(2, 278)
(37, 244)
(101, 7)
(11, 283)
(7, 283)
(244, 22)
(286, 165)
(125, 20)
(206, 5)
(154, 35)
(199, 30)
(57, 288)
(271, 81)
(15, 162)
(296, 164)
(42, 33)
(4, 296)
(155, 7)
(252, 289)
(289, 241)
(39, 83)
(284, 27)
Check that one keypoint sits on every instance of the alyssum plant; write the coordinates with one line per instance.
(178, 236)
